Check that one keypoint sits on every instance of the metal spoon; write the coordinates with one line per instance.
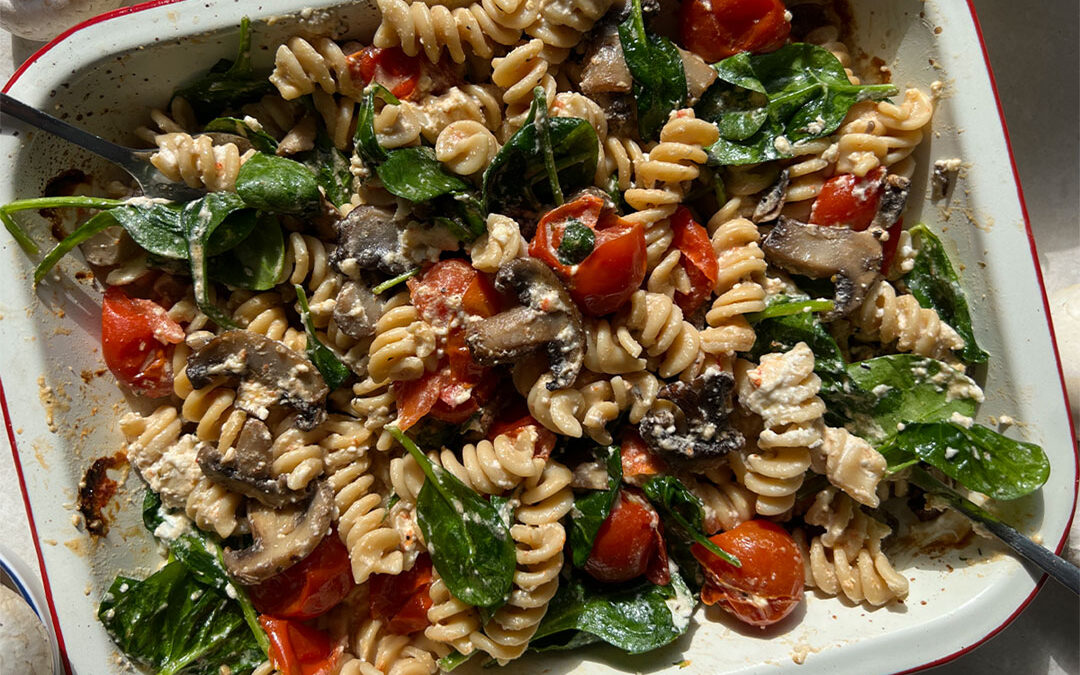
(135, 162)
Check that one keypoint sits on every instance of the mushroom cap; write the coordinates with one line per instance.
(245, 467)
(369, 238)
(695, 426)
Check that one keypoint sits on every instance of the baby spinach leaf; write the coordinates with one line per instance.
(390, 283)
(95, 224)
(257, 263)
(936, 286)
(364, 138)
(470, 544)
(764, 103)
(155, 227)
(463, 215)
(174, 624)
(683, 507)
(776, 309)
(977, 457)
(453, 660)
(636, 617)
(331, 168)
(260, 140)
(908, 388)
(519, 178)
(334, 372)
(657, 69)
(69, 201)
(278, 185)
(577, 243)
(228, 84)
(200, 219)
(592, 509)
(415, 174)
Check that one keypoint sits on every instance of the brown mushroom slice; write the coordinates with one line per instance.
(369, 238)
(604, 69)
(894, 196)
(772, 202)
(245, 467)
(851, 259)
(699, 74)
(282, 536)
(695, 427)
(548, 318)
(269, 373)
(356, 310)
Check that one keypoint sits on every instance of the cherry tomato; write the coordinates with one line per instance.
(630, 543)
(849, 200)
(606, 278)
(450, 287)
(637, 459)
(717, 29)
(136, 339)
(402, 600)
(698, 259)
(888, 247)
(299, 649)
(514, 422)
(770, 582)
(309, 588)
(390, 66)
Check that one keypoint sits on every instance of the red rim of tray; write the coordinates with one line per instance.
(1027, 226)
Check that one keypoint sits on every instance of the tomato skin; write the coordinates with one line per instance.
(136, 340)
(717, 29)
(889, 246)
(299, 649)
(609, 275)
(630, 543)
(849, 200)
(402, 600)
(451, 286)
(769, 584)
(389, 66)
(637, 459)
(698, 258)
(309, 588)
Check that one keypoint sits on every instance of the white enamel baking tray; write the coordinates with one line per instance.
(59, 415)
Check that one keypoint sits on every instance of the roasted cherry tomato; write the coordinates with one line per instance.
(637, 459)
(717, 29)
(630, 543)
(889, 246)
(602, 267)
(389, 66)
(136, 339)
(770, 582)
(299, 649)
(402, 600)
(849, 200)
(309, 588)
(697, 257)
(450, 287)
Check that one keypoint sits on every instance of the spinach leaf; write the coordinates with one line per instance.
(173, 623)
(364, 138)
(979, 458)
(684, 507)
(763, 103)
(577, 243)
(469, 542)
(331, 168)
(657, 69)
(518, 177)
(390, 283)
(843, 398)
(453, 660)
(636, 617)
(592, 509)
(73, 201)
(909, 388)
(227, 84)
(95, 224)
(775, 309)
(200, 219)
(257, 263)
(463, 215)
(155, 228)
(334, 372)
(278, 185)
(415, 174)
(936, 286)
(260, 140)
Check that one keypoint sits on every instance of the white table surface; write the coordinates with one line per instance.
(1035, 60)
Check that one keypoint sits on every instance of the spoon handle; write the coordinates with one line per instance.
(1056, 566)
(125, 157)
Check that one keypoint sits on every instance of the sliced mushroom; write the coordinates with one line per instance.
(696, 427)
(894, 196)
(356, 310)
(699, 74)
(269, 373)
(773, 201)
(245, 467)
(282, 536)
(369, 238)
(547, 318)
(300, 138)
(852, 260)
(604, 69)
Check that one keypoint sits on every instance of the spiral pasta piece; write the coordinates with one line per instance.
(851, 464)
(301, 66)
(783, 391)
(656, 323)
(180, 118)
(494, 467)
(419, 26)
(404, 344)
(475, 102)
(742, 268)
(466, 147)
(198, 162)
(374, 403)
(726, 503)
(295, 454)
(450, 620)
(518, 73)
(501, 243)
(209, 407)
(377, 651)
(888, 318)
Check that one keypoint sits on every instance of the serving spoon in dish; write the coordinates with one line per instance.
(135, 162)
